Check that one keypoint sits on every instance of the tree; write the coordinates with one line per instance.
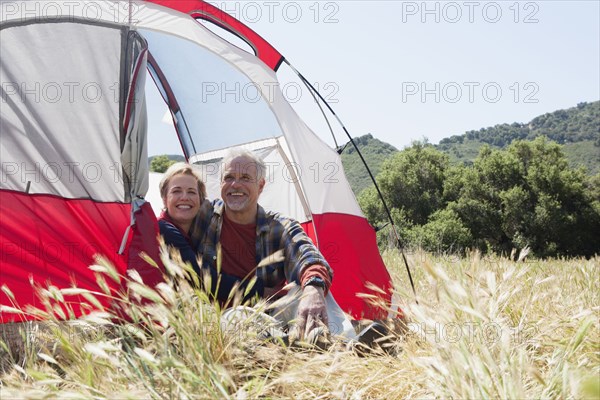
(475, 195)
(412, 180)
(557, 208)
(526, 196)
(161, 163)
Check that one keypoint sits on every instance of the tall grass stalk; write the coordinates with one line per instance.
(485, 327)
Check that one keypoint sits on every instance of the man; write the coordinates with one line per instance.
(246, 234)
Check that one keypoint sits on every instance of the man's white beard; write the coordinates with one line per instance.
(236, 204)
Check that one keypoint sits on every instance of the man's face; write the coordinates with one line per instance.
(240, 186)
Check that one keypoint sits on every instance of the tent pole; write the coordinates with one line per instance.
(387, 210)
(312, 91)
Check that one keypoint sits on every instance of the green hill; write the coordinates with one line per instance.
(577, 128)
(374, 151)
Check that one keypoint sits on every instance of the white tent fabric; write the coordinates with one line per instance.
(329, 190)
(153, 194)
(134, 157)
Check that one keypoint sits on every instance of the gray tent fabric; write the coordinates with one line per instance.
(61, 126)
(134, 156)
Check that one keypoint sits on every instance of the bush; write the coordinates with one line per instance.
(444, 233)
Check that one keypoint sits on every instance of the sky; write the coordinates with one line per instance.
(404, 70)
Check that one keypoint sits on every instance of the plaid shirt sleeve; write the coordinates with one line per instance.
(274, 232)
(281, 233)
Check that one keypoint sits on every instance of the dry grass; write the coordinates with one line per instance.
(483, 328)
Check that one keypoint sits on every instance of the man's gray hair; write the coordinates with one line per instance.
(255, 160)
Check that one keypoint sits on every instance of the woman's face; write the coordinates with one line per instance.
(183, 200)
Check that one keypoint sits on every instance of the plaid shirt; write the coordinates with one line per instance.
(273, 232)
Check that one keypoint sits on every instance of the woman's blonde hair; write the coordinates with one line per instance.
(181, 168)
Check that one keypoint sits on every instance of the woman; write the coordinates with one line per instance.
(183, 192)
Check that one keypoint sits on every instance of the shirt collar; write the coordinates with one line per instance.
(262, 224)
(219, 207)
(164, 216)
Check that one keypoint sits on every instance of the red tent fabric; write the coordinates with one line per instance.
(73, 148)
(74, 160)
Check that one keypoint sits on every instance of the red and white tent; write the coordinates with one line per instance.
(74, 138)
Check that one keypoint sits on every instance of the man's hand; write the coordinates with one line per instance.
(312, 311)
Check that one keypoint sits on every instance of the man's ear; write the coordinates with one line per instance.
(261, 185)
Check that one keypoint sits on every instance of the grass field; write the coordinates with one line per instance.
(484, 327)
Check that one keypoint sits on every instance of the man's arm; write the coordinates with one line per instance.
(312, 309)
(300, 253)
(305, 265)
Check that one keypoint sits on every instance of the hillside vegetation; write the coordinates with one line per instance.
(162, 162)
(374, 151)
(533, 185)
(577, 128)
